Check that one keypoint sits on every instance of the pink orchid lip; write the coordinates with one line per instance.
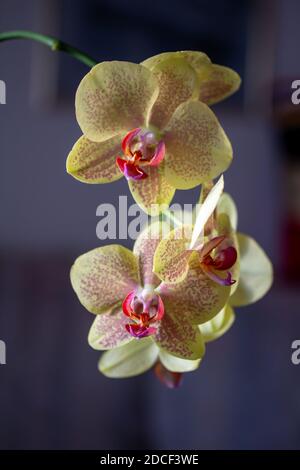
(130, 170)
(166, 377)
(223, 261)
(142, 320)
(140, 150)
(139, 331)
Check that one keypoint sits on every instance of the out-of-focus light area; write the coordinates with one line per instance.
(246, 392)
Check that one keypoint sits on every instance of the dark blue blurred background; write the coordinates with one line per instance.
(246, 392)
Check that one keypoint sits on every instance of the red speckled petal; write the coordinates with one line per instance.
(104, 276)
(178, 82)
(217, 83)
(92, 162)
(197, 148)
(153, 191)
(177, 336)
(195, 58)
(198, 297)
(114, 97)
(171, 256)
(109, 330)
(144, 249)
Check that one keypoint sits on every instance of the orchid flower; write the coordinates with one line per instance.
(254, 279)
(137, 357)
(134, 309)
(216, 254)
(225, 256)
(150, 122)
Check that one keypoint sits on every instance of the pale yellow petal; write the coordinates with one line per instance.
(256, 272)
(95, 162)
(108, 330)
(113, 98)
(218, 325)
(176, 364)
(144, 249)
(197, 148)
(129, 360)
(154, 193)
(178, 83)
(104, 276)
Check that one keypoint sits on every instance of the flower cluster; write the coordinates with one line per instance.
(158, 305)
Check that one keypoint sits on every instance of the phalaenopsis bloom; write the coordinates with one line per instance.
(158, 305)
(151, 123)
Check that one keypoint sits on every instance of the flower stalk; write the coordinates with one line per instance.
(52, 42)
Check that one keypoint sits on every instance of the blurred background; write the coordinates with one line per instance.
(246, 393)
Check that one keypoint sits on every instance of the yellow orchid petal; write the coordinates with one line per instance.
(178, 83)
(176, 364)
(144, 249)
(171, 257)
(114, 97)
(217, 83)
(227, 206)
(197, 297)
(95, 162)
(129, 360)
(197, 148)
(218, 325)
(104, 276)
(256, 272)
(177, 336)
(154, 193)
(194, 58)
(108, 330)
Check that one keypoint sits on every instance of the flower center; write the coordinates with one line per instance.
(145, 311)
(141, 148)
(222, 260)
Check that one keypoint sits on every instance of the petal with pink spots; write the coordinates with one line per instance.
(108, 330)
(144, 249)
(114, 97)
(104, 276)
(197, 148)
(95, 162)
(177, 336)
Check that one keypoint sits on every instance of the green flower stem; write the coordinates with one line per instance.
(54, 44)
